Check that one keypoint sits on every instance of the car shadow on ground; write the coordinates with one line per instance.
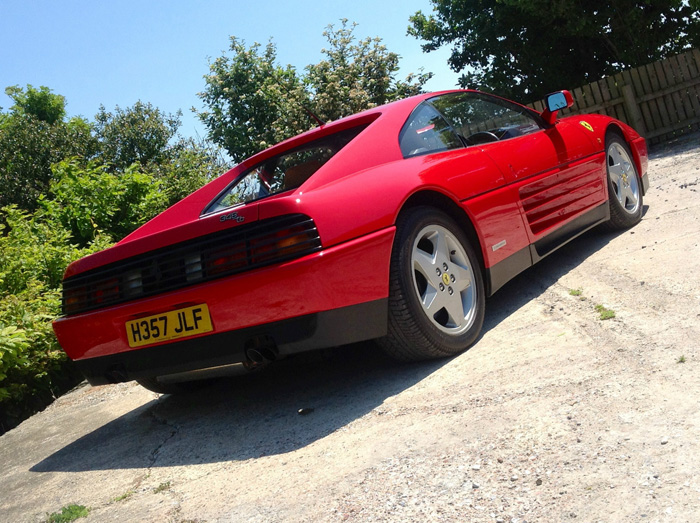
(289, 406)
(292, 404)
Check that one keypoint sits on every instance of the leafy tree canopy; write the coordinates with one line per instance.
(88, 200)
(40, 103)
(137, 134)
(252, 102)
(525, 48)
(191, 164)
(34, 135)
(356, 75)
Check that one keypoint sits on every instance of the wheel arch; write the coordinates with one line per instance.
(447, 205)
(613, 128)
(628, 135)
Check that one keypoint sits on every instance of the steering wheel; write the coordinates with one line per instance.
(481, 137)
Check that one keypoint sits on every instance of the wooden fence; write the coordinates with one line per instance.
(660, 100)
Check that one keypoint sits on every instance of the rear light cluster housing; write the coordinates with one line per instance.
(206, 258)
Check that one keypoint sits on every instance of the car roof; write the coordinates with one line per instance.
(399, 108)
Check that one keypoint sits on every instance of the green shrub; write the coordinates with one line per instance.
(33, 368)
(13, 354)
(88, 200)
(68, 513)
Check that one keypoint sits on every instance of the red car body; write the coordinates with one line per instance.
(516, 200)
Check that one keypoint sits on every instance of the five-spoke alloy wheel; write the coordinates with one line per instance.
(624, 188)
(436, 302)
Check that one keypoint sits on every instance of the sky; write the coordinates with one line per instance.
(118, 52)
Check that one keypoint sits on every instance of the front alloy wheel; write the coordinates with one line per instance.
(624, 188)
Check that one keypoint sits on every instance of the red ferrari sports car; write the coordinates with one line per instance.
(393, 224)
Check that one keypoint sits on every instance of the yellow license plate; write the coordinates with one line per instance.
(169, 325)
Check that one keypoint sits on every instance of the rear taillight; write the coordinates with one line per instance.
(226, 259)
(282, 243)
(220, 254)
(106, 292)
(74, 299)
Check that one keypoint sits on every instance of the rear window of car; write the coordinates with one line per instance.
(283, 172)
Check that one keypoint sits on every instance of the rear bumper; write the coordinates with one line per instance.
(313, 331)
(301, 303)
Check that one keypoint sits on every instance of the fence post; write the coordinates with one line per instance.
(632, 110)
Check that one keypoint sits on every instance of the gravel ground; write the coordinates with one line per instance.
(554, 415)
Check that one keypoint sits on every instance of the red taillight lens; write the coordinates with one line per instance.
(106, 291)
(280, 244)
(226, 259)
(74, 299)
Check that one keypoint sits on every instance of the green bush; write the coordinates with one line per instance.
(69, 513)
(88, 200)
(33, 369)
(71, 187)
(34, 248)
(13, 354)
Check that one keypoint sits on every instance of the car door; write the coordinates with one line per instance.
(557, 175)
(554, 169)
(444, 160)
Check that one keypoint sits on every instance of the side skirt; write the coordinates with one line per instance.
(506, 270)
(568, 232)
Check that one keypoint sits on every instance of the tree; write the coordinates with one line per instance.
(143, 136)
(191, 164)
(355, 76)
(252, 102)
(40, 103)
(88, 200)
(525, 48)
(34, 135)
(137, 134)
(246, 98)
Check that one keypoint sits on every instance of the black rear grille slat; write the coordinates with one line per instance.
(191, 262)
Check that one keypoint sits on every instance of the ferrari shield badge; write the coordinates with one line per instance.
(586, 125)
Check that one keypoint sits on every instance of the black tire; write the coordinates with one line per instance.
(417, 331)
(625, 197)
(180, 387)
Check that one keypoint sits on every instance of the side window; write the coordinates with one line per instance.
(480, 118)
(427, 131)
